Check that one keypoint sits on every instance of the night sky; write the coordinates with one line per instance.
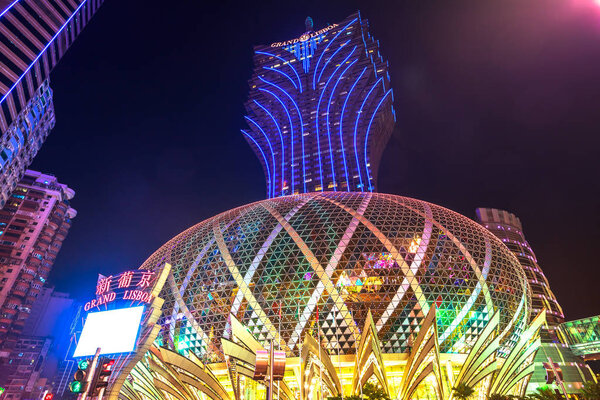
(498, 105)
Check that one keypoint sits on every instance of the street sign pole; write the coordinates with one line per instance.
(83, 395)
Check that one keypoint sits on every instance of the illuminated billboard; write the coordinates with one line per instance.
(114, 331)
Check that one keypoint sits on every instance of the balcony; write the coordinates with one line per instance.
(19, 292)
(13, 301)
(41, 246)
(27, 275)
(34, 261)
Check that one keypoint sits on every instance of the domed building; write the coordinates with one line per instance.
(348, 286)
(273, 263)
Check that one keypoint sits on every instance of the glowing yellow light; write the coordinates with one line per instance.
(414, 245)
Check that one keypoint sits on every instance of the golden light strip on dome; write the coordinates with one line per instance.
(324, 279)
(414, 267)
(243, 286)
(473, 297)
(329, 270)
(409, 275)
(178, 292)
(486, 292)
(261, 253)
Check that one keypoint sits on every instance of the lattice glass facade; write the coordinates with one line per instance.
(329, 258)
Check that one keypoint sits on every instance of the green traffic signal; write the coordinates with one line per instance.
(76, 387)
(83, 364)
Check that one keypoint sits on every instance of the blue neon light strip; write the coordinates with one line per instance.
(291, 128)
(266, 162)
(325, 49)
(8, 8)
(368, 130)
(282, 146)
(341, 124)
(286, 63)
(304, 50)
(328, 130)
(330, 58)
(284, 74)
(43, 50)
(301, 128)
(270, 147)
(355, 134)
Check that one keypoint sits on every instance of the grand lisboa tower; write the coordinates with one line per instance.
(354, 286)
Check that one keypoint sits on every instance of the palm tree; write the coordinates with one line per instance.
(374, 392)
(339, 397)
(591, 390)
(462, 391)
(545, 393)
(497, 396)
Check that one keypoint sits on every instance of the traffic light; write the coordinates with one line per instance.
(48, 396)
(101, 376)
(79, 384)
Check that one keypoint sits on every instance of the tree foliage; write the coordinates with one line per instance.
(374, 392)
(545, 393)
(369, 392)
(462, 391)
(591, 390)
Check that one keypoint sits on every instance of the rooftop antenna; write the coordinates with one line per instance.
(308, 22)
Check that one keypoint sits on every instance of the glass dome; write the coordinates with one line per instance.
(285, 264)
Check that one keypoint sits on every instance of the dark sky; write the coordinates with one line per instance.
(498, 105)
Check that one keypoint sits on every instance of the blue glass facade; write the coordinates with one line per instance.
(320, 110)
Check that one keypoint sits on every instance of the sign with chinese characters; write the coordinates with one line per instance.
(135, 286)
(304, 37)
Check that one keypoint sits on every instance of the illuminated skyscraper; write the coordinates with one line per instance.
(34, 35)
(320, 110)
(33, 225)
(353, 286)
(507, 227)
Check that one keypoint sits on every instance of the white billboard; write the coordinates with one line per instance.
(114, 331)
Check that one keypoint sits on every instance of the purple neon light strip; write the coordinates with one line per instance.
(330, 58)
(43, 50)
(301, 127)
(8, 8)
(325, 49)
(286, 63)
(355, 134)
(284, 74)
(264, 158)
(367, 135)
(317, 126)
(282, 146)
(270, 147)
(291, 128)
(341, 124)
(328, 106)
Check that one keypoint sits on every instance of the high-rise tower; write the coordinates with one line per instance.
(33, 225)
(507, 227)
(320, 110)
(34, 35)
